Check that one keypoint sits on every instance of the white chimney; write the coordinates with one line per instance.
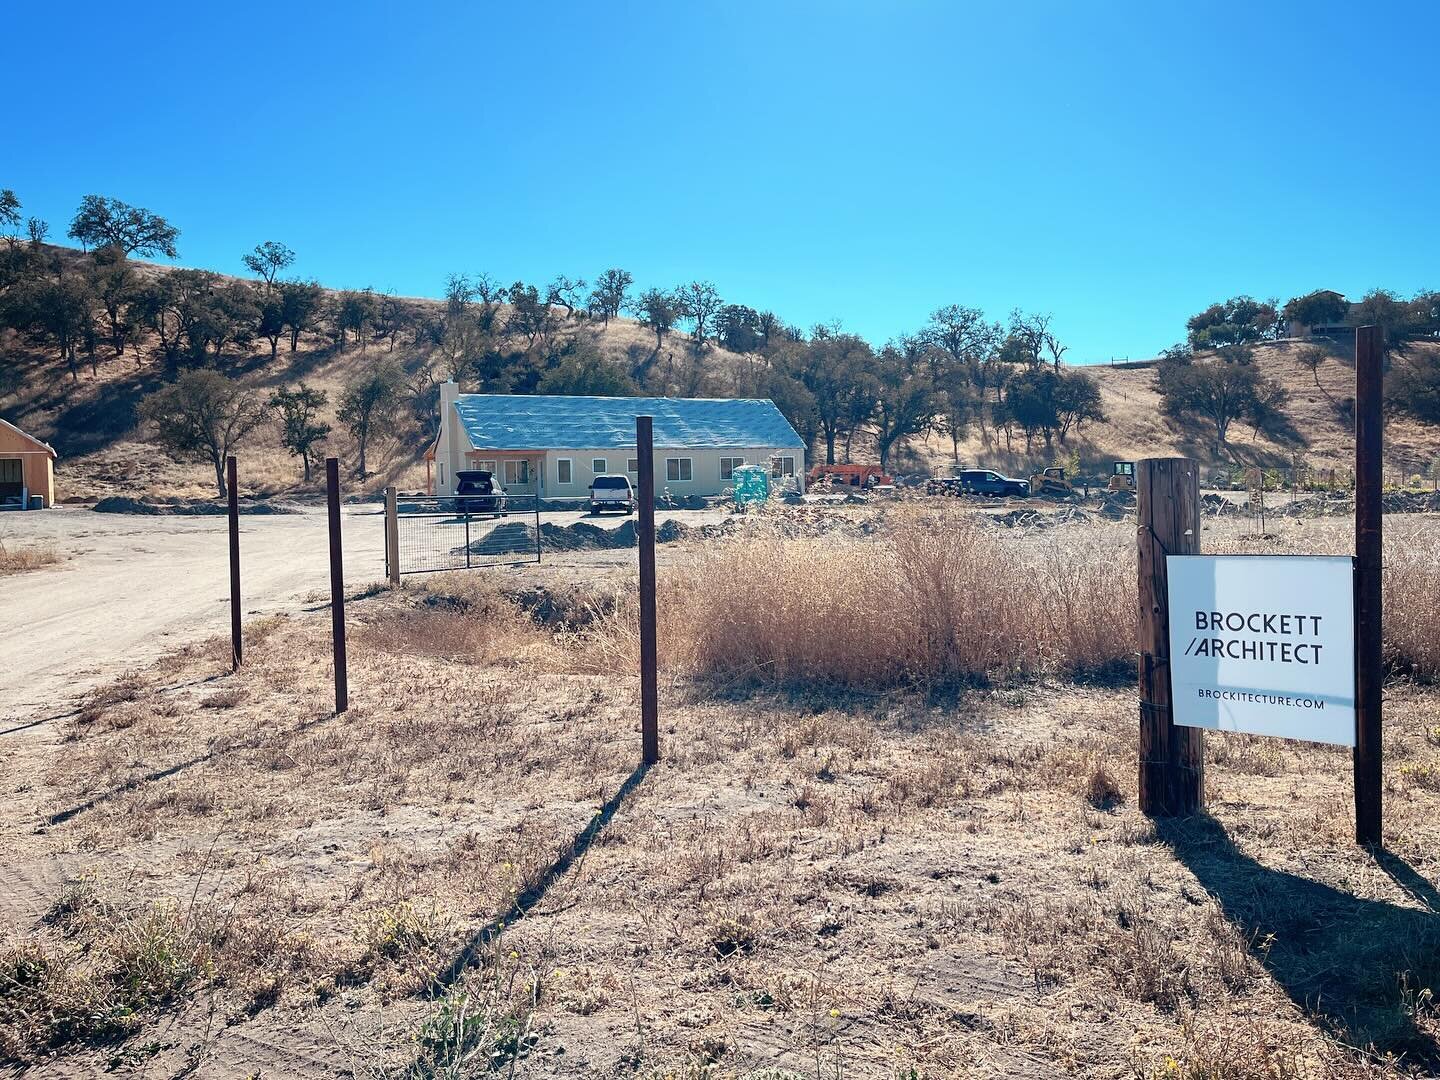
(444, 457)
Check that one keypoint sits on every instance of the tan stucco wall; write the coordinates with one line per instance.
(37, 465)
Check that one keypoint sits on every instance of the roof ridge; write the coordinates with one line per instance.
(26, 435)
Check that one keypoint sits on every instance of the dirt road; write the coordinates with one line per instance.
(131, 588)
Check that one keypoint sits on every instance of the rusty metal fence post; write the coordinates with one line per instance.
(237, 655)
(649, 690)
(1369, 554)
(337, 583)
(1172, 759)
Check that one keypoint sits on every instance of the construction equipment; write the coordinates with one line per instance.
(1051, 482)
(1122, 477)
(857, 476)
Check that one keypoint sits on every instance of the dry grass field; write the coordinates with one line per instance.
(893, 834)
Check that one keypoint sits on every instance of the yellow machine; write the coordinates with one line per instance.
(1051, 482)
(1122, 478)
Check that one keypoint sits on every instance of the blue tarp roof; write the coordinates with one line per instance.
(538, 422)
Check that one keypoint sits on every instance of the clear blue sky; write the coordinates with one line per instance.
(1119, 165)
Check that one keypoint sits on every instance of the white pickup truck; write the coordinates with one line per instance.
(612, 492)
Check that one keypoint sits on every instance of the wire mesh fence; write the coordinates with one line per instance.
(442, 532)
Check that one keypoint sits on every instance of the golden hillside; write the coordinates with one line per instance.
(90, 416)
(1320, 436)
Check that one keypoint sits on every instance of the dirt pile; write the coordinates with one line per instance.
(799, 524)
(124, 504)
(1342, 504)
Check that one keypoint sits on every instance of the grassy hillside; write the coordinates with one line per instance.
(90, 415)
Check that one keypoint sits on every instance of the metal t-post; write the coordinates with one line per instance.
(237, 656)
(1369, 544)
(337, 583)
(649, 690)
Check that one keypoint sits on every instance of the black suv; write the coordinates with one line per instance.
(486, 494)
(985, 482)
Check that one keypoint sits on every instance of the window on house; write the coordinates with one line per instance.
(517, 472)
(563, 470)
(679, 469)
(633, 466)
(487, 466)
(728, 465)
(599, 466)
(782, 466)
(442, 474)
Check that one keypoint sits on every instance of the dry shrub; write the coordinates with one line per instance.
(18, 559)
(936, 597)
(225, 699)
(100, 704)
(99, 968)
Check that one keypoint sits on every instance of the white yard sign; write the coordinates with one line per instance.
(1264, 644)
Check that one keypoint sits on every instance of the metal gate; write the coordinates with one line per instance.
(447, 532)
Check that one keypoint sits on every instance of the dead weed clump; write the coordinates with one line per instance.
(1101, 790)
(104, 977)
(17, 559)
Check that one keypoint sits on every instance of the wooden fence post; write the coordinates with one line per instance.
(1369, 555)
(649, 691)
(237, 656)
(337, 583)
(392, 536)
(1172, 759)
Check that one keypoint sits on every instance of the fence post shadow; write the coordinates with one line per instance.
(1340, 958)
(533, 895)
(155, 775)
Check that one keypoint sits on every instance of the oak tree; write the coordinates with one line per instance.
(133, 230)
(205, 415)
